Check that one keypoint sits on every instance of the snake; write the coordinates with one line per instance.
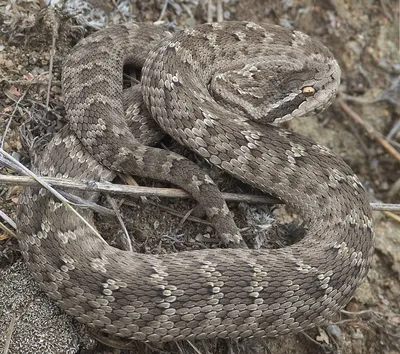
(221, 90)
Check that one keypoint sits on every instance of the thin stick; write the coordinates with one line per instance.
(393, 131)
(163, 11)
(220, 11)
(34, 82)
(3, 138)
(359, 313)
(194, 347)
(385, 207)
(127, 190)
(174, 212)
(9, 334)
(6, 218)
(150, 191)
(369, 129)
(209, 12)
(320, 345)
(358, 99)
(52, 54)
(7, 231)
(84, 203)
(126, 241)
(393, 216)
(119, 11)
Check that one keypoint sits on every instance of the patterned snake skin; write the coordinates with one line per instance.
(209, 87)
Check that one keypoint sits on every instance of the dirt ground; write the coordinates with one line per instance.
(364, 37)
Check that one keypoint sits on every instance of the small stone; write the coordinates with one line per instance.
(352, 307)
(357, 335)
(16, 155)
(199, 238)
(56, 90)
(334, 330)
(9, 64)
(322, 337)
(33, 58)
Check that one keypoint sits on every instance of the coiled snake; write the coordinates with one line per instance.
(209, 87)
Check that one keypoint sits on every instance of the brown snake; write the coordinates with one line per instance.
(209, 87)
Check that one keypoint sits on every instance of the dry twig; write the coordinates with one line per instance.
(128, 190)
(33, 82)
(9, 333)
(151, 191)
(126, 241)
(3, 138)
(52, 53)
(369, 129)
(163, 11)
(392, 215)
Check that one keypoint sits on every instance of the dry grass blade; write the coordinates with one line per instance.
(3, 138)
(8, 219)
(126, 241)
(52, 53)
(84, 203)
(33, 82)
(7, 232)
(39, 180)
(163, 11)
(6, 229)
(392, 215)
(9, 334)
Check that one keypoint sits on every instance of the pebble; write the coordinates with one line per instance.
(56, 90)
(199, 238)
(334, 331)
(16, 155)
(357, 335)
(352, 307)
(9, 64)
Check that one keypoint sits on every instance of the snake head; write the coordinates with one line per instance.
(314, 95)
(281, 83)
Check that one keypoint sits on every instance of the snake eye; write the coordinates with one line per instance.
(308, 91)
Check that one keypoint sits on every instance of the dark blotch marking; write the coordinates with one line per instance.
(160, 293)
(210, 290)
(170, 49)
(286, 107)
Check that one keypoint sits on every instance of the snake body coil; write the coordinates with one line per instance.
(208, 87)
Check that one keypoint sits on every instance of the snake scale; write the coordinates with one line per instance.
(215, 88)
